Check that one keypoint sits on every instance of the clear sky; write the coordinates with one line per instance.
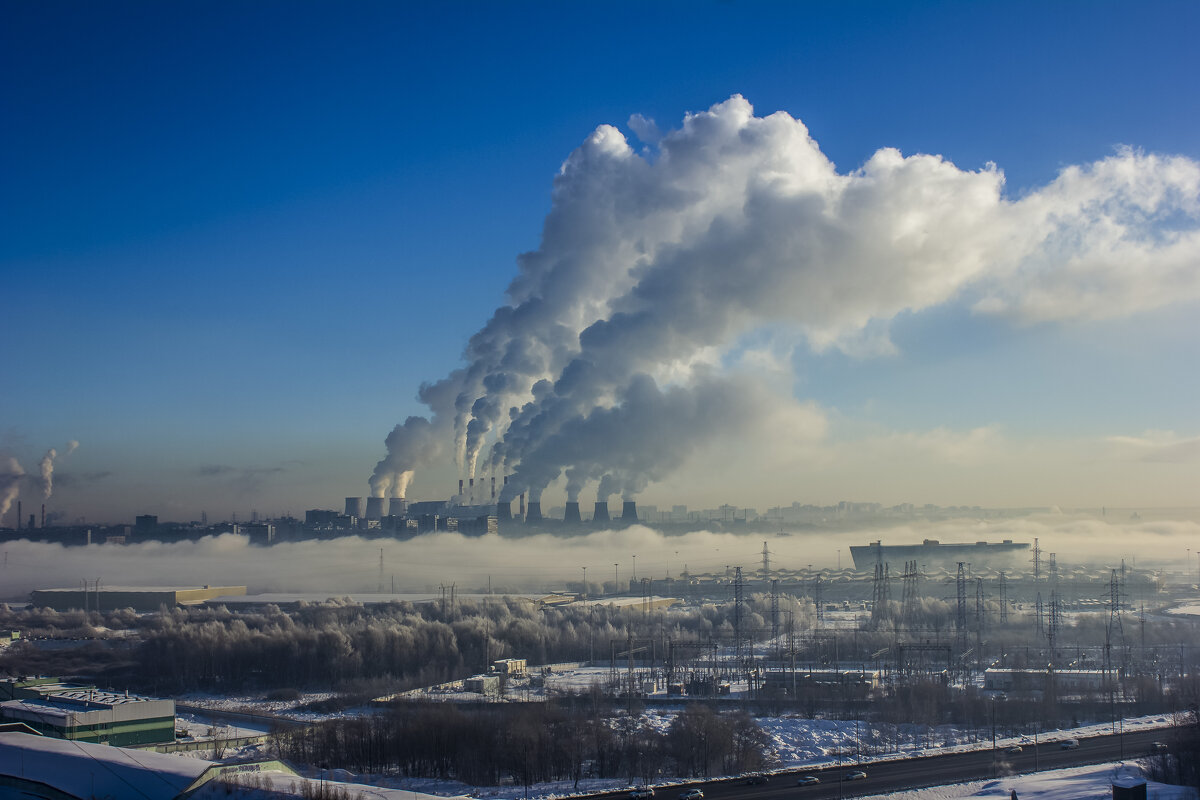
(235, 238)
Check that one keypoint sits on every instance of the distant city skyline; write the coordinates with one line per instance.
(236, 241)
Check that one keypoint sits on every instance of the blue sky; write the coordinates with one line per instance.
(242, 235)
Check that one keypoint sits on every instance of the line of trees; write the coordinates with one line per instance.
(527, 744)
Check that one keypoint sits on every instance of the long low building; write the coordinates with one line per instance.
(139, 598)
(91, 715)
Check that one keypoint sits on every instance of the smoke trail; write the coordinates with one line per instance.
(652, 267)
(47, 470)
(10, 484)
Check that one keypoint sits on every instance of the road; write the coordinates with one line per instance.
(913, 773)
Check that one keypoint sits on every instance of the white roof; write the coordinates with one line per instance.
(95, 770)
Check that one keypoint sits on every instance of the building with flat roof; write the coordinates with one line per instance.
(139, 598)
(91, 715)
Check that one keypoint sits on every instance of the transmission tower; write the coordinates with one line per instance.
(1003, 598)
(1037, 563)
(1115, 631)
(1052, 626)
(909, 591)
(960, 622)
(1041, 613)
(881, 596)
(775, 610)
(737, 612)
(817, 599)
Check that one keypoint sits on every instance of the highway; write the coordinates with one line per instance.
(913, 773)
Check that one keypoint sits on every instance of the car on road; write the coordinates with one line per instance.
(641, 793)
(1012, 751)
(692, 794)
(1158, 747)
(1070, 744)
(856, 775)
(757, 779)
(807, 780)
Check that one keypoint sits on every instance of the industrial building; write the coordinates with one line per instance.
(933, 553)
(85, 714)
(139, 598)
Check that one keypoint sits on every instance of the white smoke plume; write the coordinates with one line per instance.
(10, 484)
(653, 266)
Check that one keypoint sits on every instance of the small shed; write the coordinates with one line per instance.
(1129, 788)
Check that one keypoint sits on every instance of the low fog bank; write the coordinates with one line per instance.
(545, 562)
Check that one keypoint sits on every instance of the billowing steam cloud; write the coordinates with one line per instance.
(653, 266)
(13, 475)
(10, 484)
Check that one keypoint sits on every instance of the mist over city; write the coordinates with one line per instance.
(720, 398)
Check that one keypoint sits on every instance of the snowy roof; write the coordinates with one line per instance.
(81, 769)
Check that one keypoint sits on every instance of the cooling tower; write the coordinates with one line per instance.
(504, 511)
(354, 506)
(629, 511)
(572, 515)
(535, 511)
(398, 507)
(374, 508)
(601, 512)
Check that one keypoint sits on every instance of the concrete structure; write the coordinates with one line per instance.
(534, 514)
(571, 515)
(483, 684)
(397, 507)
(601, 512)
(629, 512)
(933, 553)
(89, 715)
(33, 766)
(139, 598)
(513, 667)
(374, 508)
(355, 507)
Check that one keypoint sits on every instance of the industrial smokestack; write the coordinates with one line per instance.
(504, 511)
(398, 507)
(18, 515)
(601, 512)
(493, 488)
(43, 515)
(629, 511)
(460, 491)
(572, 514)
(535, 511)
(522, 517)
(374, 508)
(354, 507)
(472, 490)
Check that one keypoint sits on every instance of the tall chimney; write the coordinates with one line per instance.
(43, 515)
(354, 507)
(18, 515)
(472, 490)
(460, 482)
(374, 508)
(629, 511)
(535, 511)
(572, 515)
(493, 487)
(522, 507)
(601, 512)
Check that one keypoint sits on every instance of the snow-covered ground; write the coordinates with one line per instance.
(1075, 783)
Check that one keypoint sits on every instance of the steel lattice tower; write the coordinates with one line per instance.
(1003, 598)
(737, 611)
(961, 618)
